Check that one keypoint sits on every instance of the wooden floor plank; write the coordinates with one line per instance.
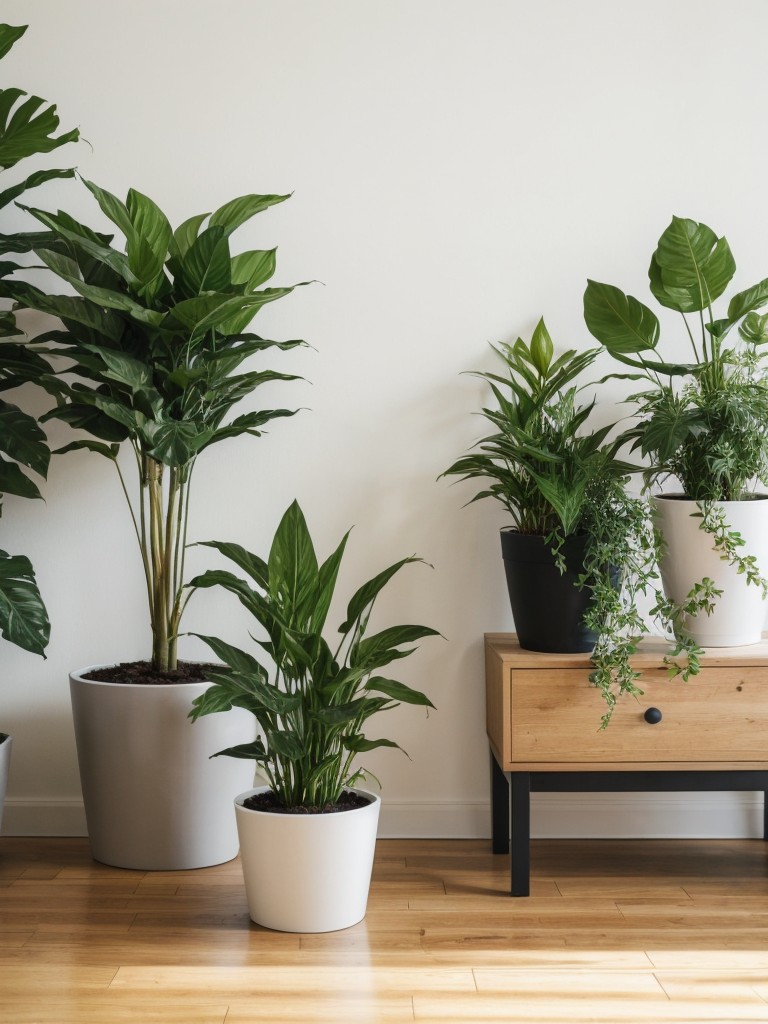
(616, 932)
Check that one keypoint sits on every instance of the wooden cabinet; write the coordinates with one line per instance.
(543, 724)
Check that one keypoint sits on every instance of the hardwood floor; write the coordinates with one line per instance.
(613, 933)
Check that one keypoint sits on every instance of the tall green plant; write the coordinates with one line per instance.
(314, 696)
(702, 421)
(153, 340)
(28, 127)
(556, 478)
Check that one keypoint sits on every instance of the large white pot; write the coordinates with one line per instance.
(307, 872)
(154, 798)
(739, 614)
(5, 764)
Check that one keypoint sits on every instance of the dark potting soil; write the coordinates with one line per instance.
(141, 672)
(348, 801)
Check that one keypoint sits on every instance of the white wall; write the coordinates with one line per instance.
(459, 169)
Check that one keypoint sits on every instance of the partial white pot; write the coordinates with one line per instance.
(738, 618)
(154, 798)
(5, 764)
(307, 872)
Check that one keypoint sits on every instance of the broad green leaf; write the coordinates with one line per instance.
(293, 569)
(9, 34)
(111, 207)
(253, 268)
(148, 242)
(691, 266)
(618, 321)
(28, 130)
(177, 442)
(14, 481)
(238, 211)
(22, 439)
(236, 659)
(207, 264)
(185, 234)
(746, 301)
(23, 618)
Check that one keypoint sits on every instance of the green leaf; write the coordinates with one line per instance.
(22, 439)
(206, 264)
(398, 691)
(28, 130)
(253, 268)
(292, 568)
(364, 597)
(746, 301)
(382, 648)
(236, 659)
(358, 744)
(618, 321)
(238, 211)
(23, 618)
(177, 442)
(108, 451)
(14, 481)
(691, 266)
(33, 181)
(542, 348)
(255, 567)
(9, 34)
(185, 234)
(111, 207)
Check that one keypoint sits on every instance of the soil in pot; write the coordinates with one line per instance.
(142, 673)
(348, 801)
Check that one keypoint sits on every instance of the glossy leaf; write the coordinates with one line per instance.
(619, 322)
(691, 266)
(23, 617)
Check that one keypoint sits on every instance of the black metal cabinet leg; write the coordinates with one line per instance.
(499, 808)
(521, 833)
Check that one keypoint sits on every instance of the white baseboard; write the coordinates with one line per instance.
(43, 818)
(553, 816)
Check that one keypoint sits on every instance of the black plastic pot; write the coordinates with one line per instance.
(547, 606)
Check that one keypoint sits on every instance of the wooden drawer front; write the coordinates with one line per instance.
(720, 715)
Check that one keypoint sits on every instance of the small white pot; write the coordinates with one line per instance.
(5, 764)
(739, 614)
(154, 797)
(307, 872)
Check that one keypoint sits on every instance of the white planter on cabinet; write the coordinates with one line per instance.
(738, 617)
(307, 872)
(154, 797)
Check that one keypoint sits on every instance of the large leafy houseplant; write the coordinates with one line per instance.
(313, 694)
(558, 480)
(152, 343)
(701, 419)
(28, 126)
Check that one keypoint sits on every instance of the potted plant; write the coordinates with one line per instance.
(701, 421)
(152, 343)
(307, 837)
(27, 128)
(580, 550)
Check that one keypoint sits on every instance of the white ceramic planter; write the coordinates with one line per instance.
(738, 618)
(5, 764)
(307, 872)
(154, 798)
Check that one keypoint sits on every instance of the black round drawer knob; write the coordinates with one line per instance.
(652, 716)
